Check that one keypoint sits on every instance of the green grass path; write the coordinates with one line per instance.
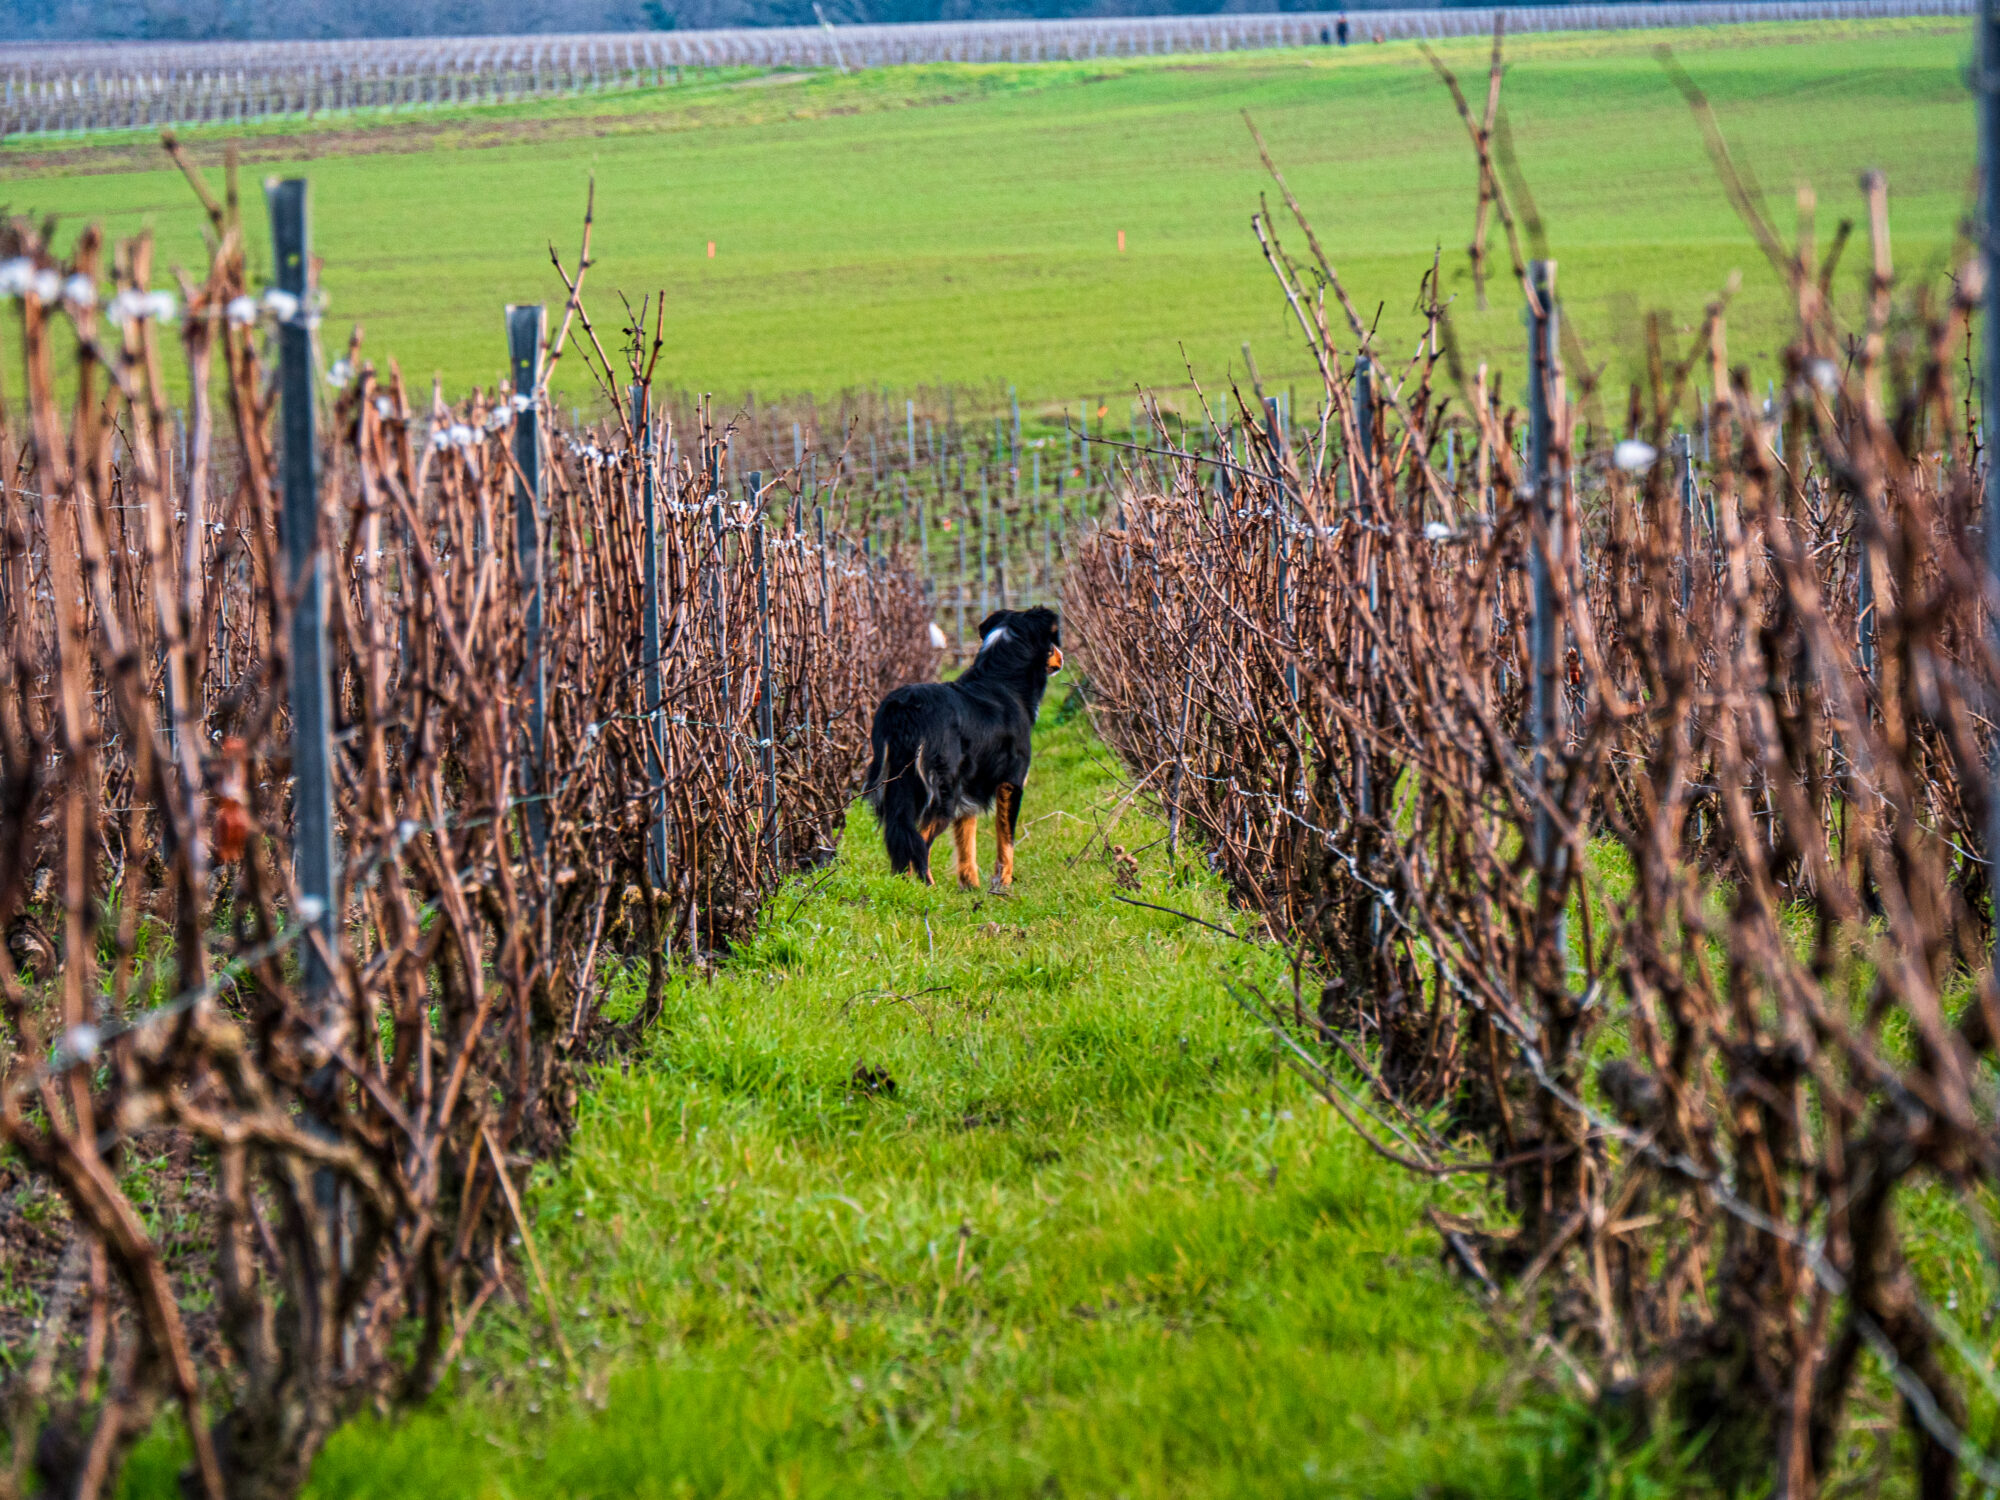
(1087, 1247)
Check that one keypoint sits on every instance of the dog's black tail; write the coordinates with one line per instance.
(871, 783)
(896, 789)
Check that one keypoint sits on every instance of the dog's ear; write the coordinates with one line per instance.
(992, 623)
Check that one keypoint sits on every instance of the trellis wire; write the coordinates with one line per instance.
(59, 88)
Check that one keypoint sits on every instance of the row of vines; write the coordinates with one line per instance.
(339, 1106)
(1628, 813)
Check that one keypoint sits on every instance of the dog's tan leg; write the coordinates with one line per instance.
(965, 839)
(1005, 801)
(930, 831)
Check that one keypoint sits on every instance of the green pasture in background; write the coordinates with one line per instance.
(959, 224)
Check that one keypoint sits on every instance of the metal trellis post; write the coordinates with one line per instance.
(825, 596)
(766, 743)
(524, 354)
(1989, 131)
(311, 689)
(655, 677)
(721, 598)
(1687, 522)
(1546, 488)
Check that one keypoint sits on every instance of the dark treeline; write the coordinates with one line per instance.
(258, 20)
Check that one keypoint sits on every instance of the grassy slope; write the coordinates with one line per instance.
(1086, 1248)
(958, 223)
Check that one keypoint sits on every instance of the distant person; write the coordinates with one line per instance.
(1325, 37)
(1340, 30)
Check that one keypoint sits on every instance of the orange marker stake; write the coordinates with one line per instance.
(1121, 244)
(711, 249)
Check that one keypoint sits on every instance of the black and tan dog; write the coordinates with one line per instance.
(946, 751)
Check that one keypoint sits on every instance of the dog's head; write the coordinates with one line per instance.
(1035, 633)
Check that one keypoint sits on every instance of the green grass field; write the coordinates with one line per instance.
(1090, 1245)
(959, 224)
